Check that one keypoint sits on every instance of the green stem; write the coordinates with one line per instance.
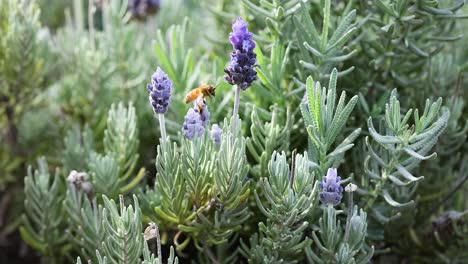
(350, 212)
(326, 19)
(162, 127)
(209, 253)
(91, 21)
(377, 190)
(158, 242)
(12, 131)
(235, 114)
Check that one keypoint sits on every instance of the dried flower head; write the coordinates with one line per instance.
(351, 187)
(330, 188)
(151, 231)
(77, 177)
(80, 181)
(215, 134)
(160, 91)
(240, 71)
(87, 187)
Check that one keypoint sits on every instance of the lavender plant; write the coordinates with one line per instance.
(240, 71)
(290, 196)
(43, 222)
(276, 168)
(23, 49)
(324, 122)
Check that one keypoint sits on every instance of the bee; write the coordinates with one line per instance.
(204, 91)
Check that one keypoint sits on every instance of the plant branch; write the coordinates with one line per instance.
(236, 109)
(463, 170)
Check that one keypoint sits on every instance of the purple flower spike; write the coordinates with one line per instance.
(215, 134)
(160, 91)
(204, 113)
(240, 71)
(196, 119)
(330, 188)
(193, 125)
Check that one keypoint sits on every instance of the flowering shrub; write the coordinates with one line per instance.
(281, 166)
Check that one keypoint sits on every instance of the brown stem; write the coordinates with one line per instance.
(293, 168)
(458, 186)
(4, 203)
(12, 131)
(209, 253)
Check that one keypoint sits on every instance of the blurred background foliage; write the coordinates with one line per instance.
(73, 76)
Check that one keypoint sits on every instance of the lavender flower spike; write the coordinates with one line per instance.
(200, 104)
(196, 119)
(160, 91)
(215, 134)
(193, 124)
(331, 191)
(240, 71)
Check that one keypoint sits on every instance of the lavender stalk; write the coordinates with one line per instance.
(240, 71)
(160, 97)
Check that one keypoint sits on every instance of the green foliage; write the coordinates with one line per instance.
(289, 197)
(105, 170)
(399, 151)
(230, 169)
(148, 257)
(22, 71)
(176, 58)
(333, 246)
(86, 229)
(250, 198)
(77, 146)
(113, 172)
(121, 140)
(42, 223)
(211, 205)
(324, 120)
(121, 240)
(122, 230)
(267, 137)
(99, 65)
(85, 223)
(277, 15)
(320, 52)
(399, 43)
(271, 73)
(20, 45)
(457, 128)
(181, 63)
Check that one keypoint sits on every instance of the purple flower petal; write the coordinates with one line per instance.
(331, 190)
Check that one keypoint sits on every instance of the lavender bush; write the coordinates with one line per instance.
(337, 133)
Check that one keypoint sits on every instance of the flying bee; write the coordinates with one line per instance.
(204, 91)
